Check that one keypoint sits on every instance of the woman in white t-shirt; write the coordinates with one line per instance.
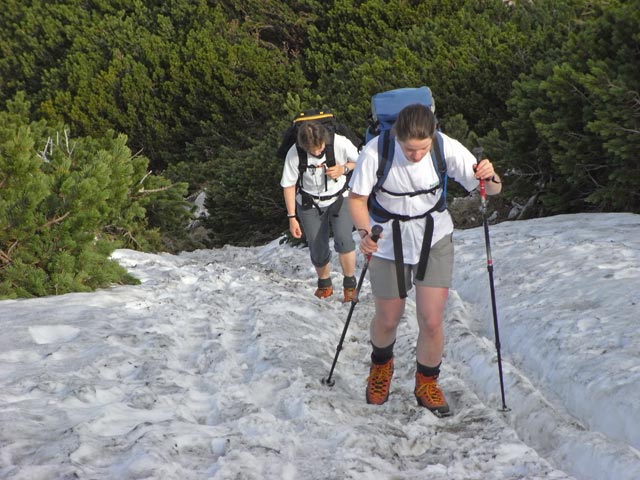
(411, 198)
(315, 201)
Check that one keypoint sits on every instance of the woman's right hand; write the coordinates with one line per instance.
(367, 245)
(294, 228)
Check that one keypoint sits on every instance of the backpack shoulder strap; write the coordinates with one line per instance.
(438, 158)
(441, 168)
(330, 152)
(303, 163)
(386, 150)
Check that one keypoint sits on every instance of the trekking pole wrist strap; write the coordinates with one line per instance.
(363, 232)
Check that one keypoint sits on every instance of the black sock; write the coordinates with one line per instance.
(349, 282)
(429, 371)
(324, 282)
(382, 355)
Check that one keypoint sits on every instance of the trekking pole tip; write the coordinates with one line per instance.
(328, 382)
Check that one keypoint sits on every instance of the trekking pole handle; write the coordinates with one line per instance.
(478, 152)
(376, 230)
(375, 233)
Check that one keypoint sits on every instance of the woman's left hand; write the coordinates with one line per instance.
(335, 172)
(484, 170)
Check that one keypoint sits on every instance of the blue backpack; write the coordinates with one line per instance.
(385, 107)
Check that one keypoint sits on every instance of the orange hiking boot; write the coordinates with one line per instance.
(324, 292)
(349, 285)
(349, 293)
(379, 382)
(325, 288)
(429, 395)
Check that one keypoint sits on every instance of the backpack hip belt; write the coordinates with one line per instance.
(325, 197)
(379, 214)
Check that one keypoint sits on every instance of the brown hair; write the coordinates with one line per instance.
(312, 135)
(414, 122)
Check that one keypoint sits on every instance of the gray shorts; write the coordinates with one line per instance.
(317, 226)
(384, 280)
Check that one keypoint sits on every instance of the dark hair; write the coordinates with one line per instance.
(415, 122)
(312, 135)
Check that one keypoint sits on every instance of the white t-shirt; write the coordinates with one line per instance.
(313, 179)
(406, 176)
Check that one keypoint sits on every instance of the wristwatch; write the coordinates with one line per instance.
(346, 169)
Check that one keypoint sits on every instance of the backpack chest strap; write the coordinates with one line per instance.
(412, 194)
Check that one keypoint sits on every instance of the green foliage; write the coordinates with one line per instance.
(33, 35)
(464, 51)
(181, 81)
(243, 205)
(65, 205)
(575, 131)
(204, 90)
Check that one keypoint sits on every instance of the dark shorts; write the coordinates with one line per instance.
(384, 280)
(318, 224)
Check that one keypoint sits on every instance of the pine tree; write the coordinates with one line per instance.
(66, 204)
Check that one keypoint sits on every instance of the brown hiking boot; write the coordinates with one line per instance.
(379, 382)
(349, 293)
(324, 292)
(429, 395)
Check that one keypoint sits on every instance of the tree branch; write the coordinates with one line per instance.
(53, 221)
(6, 256)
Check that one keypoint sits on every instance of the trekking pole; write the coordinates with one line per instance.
(483, 202)
(375, 235)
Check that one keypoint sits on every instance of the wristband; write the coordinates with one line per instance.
(346, 170)
(361, 231)
(493, 180)
(293, 215)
